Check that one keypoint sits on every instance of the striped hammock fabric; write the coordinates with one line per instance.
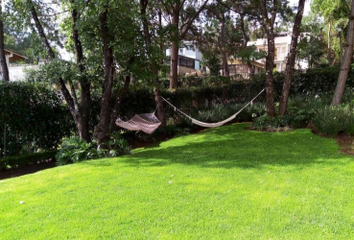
(146, 122)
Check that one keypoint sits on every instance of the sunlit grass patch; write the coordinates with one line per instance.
(224, 183)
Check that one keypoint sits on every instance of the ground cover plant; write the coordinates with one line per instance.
(224, 183)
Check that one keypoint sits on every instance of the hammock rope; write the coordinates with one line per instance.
(217, 124)
(148, 122)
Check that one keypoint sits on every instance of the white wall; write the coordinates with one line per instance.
(17, 72)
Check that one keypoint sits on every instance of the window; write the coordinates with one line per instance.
(185, 62)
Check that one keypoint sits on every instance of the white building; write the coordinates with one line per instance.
(189, 57)
(16, 71)
(282, 49)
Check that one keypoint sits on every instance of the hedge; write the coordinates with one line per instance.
(35, 118)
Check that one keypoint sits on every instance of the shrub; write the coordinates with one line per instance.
(274, 123)
(333, 120)
(74, 149)
(34, 118)
(221, 112)
(301, 110)
(24, 160)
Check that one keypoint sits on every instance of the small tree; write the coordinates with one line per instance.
(291, 59)
(174, 9)
(347, 60)
(5, 70)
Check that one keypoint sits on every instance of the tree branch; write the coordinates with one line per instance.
(189, 24)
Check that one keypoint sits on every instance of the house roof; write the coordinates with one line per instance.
(14, 56)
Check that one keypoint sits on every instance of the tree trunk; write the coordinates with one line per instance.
(41, 32)
(159, 104)
(269, 76)
(5, 70)
(225, 65)
(245, 40)
(102, 129)
(291, 59)
(84, 83)
(174, 51)
(347, 59)
(67, 96)
(268, 26)
(329, 44)
(118, 102)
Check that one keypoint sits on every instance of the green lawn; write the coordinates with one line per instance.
(225, 183)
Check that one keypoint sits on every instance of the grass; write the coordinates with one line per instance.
(225, 183)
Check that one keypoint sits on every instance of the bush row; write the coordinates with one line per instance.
(313, 81)
(334, 120)
(26, 159)
(32, 117)
(303, 110)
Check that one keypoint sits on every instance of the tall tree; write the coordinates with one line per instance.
(154, 49)
(84, 82)
(312, 46)
(346, 61)
(291, 59)
(335, 14)
(3, 63)
(89, 27)
(70, 98)
(220, 12)
(102, 129)
(268, 12)
(174, 8)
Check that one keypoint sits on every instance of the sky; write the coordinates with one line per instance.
(307, 5)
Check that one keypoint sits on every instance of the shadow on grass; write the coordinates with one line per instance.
(234, 147)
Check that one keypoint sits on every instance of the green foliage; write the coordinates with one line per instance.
(20, 25)
(117, 145)
(313, 82)
(26, 159)
(333, 120)
(312, 45)
(52, 72)
(250, 53)
(220, 112)
(272, 124)
(34, 117)
(212, 61)
(75, 149)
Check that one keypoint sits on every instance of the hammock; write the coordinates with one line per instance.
(148, 122)
(217, 124)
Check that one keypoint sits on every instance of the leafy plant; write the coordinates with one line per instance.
(74, 149)
(333, 120)
(274, 123)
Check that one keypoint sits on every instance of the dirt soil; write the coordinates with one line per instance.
(15, 172)
(346, 143)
